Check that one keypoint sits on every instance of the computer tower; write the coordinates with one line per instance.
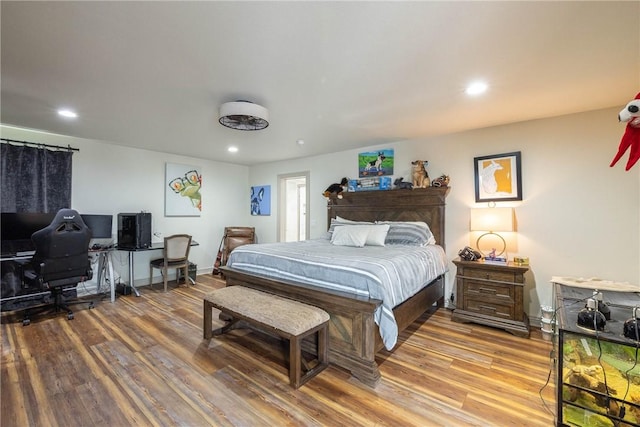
(134, 230)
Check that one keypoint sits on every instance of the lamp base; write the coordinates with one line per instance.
(504, 243)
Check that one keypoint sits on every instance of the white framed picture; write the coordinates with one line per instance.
(182, 190)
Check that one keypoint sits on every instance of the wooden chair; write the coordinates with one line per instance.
(175, 255)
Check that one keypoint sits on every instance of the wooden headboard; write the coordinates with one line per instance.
(420, 204)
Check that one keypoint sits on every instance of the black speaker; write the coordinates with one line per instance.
(134, 230)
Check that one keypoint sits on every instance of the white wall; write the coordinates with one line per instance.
(109, 179)
(579, 217)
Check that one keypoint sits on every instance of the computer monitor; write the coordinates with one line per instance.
(16, 230)
(100, 225)
(20, 226)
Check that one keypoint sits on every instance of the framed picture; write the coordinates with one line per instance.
(375, 163)
(498, 178)
(182, 190)
(261, 200)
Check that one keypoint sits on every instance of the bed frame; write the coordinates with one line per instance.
(354, 336)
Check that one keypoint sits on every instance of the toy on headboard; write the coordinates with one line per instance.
(336, 188)
(402, 185)
(631, 137)
(441, 181)
(419, 174)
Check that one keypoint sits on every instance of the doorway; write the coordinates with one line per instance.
(293, 200)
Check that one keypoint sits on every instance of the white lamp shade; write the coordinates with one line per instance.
(491, 219)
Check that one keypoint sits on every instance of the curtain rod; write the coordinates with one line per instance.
(37, 144)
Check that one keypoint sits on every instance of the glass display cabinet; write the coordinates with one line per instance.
(598, 374)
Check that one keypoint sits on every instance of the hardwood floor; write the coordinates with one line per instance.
(142, 361)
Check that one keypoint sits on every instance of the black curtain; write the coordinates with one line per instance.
(34, 180)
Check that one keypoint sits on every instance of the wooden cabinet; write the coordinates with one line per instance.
(491, 295)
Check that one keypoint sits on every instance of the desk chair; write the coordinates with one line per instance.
(175, 255)
(61, 259)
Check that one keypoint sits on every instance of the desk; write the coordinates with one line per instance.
(132, 251)
(105, 265)
(105, 271)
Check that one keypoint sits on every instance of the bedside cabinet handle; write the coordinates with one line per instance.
(487, 290)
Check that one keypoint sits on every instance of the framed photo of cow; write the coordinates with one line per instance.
(498, 178)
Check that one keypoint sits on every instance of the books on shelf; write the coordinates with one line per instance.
(495, 260)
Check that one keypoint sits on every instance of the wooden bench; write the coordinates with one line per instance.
(286, 318)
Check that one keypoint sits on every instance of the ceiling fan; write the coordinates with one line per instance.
(243, 115)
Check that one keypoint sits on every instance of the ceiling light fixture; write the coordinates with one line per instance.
(67, 113)
(232, 149)
(243, 115)
(476, 88)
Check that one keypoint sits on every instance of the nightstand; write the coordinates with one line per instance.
(491, 295)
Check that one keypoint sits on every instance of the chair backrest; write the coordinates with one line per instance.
(62, 248)
(236, 236)
(176, 247)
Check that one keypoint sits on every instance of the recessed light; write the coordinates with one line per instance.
(70, 114)
(476, 88)
(232, 149)
(300, 142)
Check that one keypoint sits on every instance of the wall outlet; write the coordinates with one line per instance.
(157, 234)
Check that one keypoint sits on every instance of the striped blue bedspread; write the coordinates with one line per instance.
(391, 273)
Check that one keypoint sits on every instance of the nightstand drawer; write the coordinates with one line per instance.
(495, 274)
(488, 290)
(502, 311)
(491, 295)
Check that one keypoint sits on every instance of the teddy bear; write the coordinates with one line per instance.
(441, 181)
(419, 176)
(631, 138)
(336, 189)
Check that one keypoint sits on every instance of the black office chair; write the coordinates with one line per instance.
(61, 260)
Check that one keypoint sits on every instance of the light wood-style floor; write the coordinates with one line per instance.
(142, 361)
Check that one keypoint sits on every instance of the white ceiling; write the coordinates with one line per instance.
(338, 75)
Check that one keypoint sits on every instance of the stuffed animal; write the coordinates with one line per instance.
(441, 181)
(402, 185)
(631, 137)
(419, 174)
(336, 188)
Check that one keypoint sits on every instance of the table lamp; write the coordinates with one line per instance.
(491, 220)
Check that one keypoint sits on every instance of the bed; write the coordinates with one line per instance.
(355, 336)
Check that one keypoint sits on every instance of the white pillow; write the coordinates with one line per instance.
(377, 234)
(342, 221)
(350, 235)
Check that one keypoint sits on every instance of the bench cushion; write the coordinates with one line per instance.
(287, 315)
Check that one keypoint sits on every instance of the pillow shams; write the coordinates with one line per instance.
(377, 234)
(341, 221)
(406, 233)
(352, 234)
